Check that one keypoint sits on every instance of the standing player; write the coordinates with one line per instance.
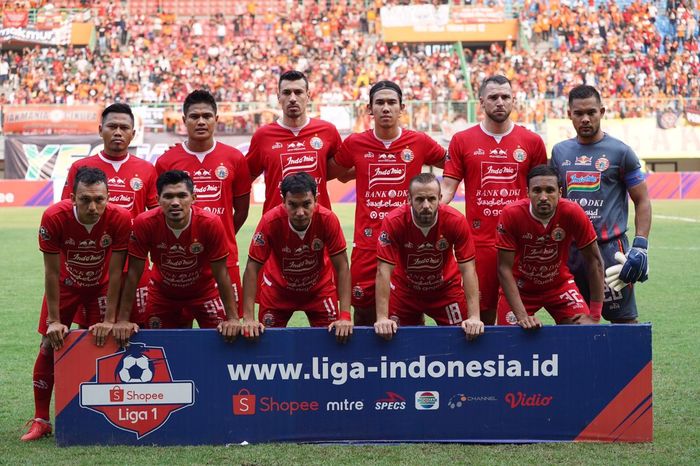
(131, 180)
(293, 144)
(384, 160)
(298, 245)
(84, 243)
(220, 174)
(426, 264)
(188, 247)
(493, 159)
(598, 171)
(534, 236)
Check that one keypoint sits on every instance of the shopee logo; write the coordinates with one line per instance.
(243, 403)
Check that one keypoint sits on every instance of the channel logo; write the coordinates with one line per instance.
(427, 400)
(392, 402)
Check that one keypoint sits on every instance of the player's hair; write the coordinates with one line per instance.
(298, 183)
(424, 178)
(118, 108)
(496, 79)
(200, 96)
(584, 91)
(543, 170)
(174, 177)
(292, 75)
(381, 85)
(89, 176)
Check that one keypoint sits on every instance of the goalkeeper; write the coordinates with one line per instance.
(598, 172)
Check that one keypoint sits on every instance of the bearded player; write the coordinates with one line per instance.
(384, 159)
(493, 158)
(220, 174)
(131, 182)
(426, 264)
(83, 241)
(534, 236)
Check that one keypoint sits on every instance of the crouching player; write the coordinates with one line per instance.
(188, 248)
(426, 264)
(84, 242)
(297, 245)
(533, 242)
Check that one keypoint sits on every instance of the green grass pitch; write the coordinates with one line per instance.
(670, 300)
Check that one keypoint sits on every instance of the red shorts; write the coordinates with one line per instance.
(448, 307)
(92, 302)
(363, 273)
(561, 303)
(277, 306)
(164, 312)
(487, 272)
(235, 276)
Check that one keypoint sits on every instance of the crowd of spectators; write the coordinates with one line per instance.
(156, 59)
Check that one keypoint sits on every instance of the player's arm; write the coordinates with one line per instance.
(241, 205)
(448, 188)
(341, 173)
(642, 209)
(596, 278)
(123, 328)
(343, 325)
(52, 270)
(230, 328)
(101, 330)
(384, 327)
(473, 326)
(251, 328)
(506, 260)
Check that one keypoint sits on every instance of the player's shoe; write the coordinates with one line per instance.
(38, 429)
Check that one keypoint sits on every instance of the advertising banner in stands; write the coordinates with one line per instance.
(21, 193)
(189, 387)
(15, 19)
(46, 157)
(51, 119)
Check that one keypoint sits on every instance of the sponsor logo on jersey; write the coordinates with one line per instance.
(367, 232)
(479, 151)
(277, 145)
(558, 234)
(386, 157)
(298, 162)
(87, 243)
(122, 198)
(299, 265)
(202, 173)
(381, 174)
(427, 400)
(423, 262)
(221, 172)
(136, 183)
(208, 190)
(602, 164)
(407, 155)
(498, 173)
(498, 153)
(85, 258)
(583, 160)
(196, 247)
(583, 181)
(116, 182)
(296, 146)
(476, 224)
(316, 143)
(135, 391)
(540, 253)
(178, 262)
(519, 155)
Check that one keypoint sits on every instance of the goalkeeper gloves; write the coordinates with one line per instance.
(612, 274)
(636, 268)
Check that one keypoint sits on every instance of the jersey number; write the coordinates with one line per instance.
(454, 315)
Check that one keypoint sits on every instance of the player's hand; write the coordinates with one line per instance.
(55, 334)
(530, 323)
(473, 327)
(612, 273)
(100, 331)
(583, 319)
(385, 328)
(343, 330)
(636, 268)
(122, 331)
(229, 329)
(252, 329)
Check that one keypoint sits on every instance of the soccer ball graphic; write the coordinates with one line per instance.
(136, 369)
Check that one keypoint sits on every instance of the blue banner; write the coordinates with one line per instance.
(184, 387)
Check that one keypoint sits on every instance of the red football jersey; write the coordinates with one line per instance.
(294, 262)
(131, 182)
(84, 253)
(425, 262)
(219, 175)
(494, 169)
(541, 251)
(278, 151)
(181, 265)
(383, 171)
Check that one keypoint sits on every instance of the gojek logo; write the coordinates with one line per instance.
(135, 391)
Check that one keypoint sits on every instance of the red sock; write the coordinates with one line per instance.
(43, 383)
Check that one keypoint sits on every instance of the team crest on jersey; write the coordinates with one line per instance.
(602, 164)
(442, 244)
(317, 244)
(511, 319)
(268, 319)
(357, 292)
(519, 155)
(221, 172)
(316, 142)
(407, 155)
(44, 233)
(558, 234)
(583, 160)
(136, 183)
(277, 145)
(259, 239)
(196, 247)
(384, 239)
(105, 241)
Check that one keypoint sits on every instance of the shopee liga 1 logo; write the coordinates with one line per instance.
(135, 391)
